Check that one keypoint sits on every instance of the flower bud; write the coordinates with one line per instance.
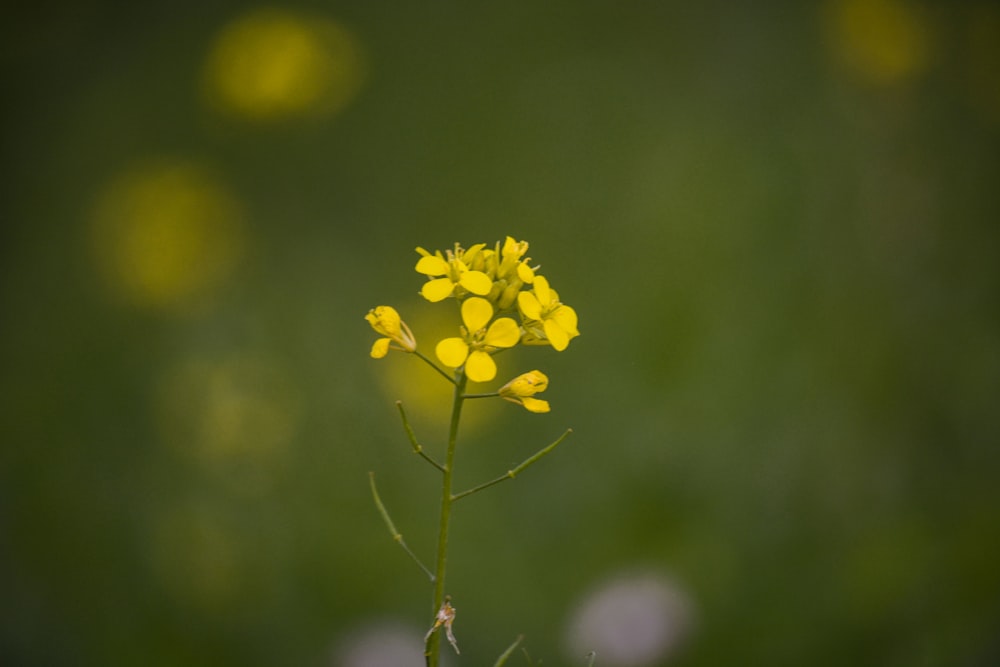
(386, 321)
(521, 390)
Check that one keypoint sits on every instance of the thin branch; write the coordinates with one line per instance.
(417, 449)
(392, 528)
(489, 395)
(502, 660)
(511, 474)
(593, 656)
(434, 366)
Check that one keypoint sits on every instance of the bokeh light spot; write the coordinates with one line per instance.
(631, 620)
(381, 644)
(234, 417)
(273, 64)
(167, 234)
(881, 41)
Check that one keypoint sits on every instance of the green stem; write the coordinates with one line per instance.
(433, 647)
(492, 394)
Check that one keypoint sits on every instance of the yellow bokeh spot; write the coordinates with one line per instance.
(273, 64)
(234, 418)
(882, 41)
(167, 234)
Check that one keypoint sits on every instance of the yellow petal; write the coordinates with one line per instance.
(380, 348)
(472, 256)
(437, 290)
(503, 333)
(480, 367)
(556, 336)
(432, 265)
(535, 404)
(565, 317)
(476, 282)
(515, 249)
(384, 320)
(476, 313)
(509, 247)
(542, 291)
(525, 273)
(452, 352)
(529, 305)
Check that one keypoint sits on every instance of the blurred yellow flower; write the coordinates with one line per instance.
(883, 41)
(522, 389)
(558, 322)
(386, 321)
(272, 64)
(168, 234)
(478, 342)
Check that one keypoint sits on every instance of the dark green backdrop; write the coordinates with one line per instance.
(777, 221)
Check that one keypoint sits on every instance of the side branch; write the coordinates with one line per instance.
(396, 535)
(430, 363)
(492, 394)
(502, 660)
(417, 449)
(511, 474)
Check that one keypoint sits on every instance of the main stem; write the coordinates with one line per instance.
(434, 648)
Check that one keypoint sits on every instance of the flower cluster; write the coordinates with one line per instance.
(503, 301)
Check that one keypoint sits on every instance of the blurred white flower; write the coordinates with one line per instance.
(381, 644)
(630, 620)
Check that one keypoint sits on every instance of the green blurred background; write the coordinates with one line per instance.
(778, 222)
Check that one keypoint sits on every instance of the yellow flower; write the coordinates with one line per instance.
(478, 342)
(511, 264)
(542, 307)
(454, 272)
(521, 390)
(385, 320)
(509, 271)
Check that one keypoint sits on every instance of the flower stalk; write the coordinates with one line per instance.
(503, 302)
(433, 648)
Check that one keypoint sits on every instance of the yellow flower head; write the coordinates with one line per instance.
(385, 321)
(453, 269)
(478, 341)
(509, 271)
(546, 319)
(522, 389)
(511, 264)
